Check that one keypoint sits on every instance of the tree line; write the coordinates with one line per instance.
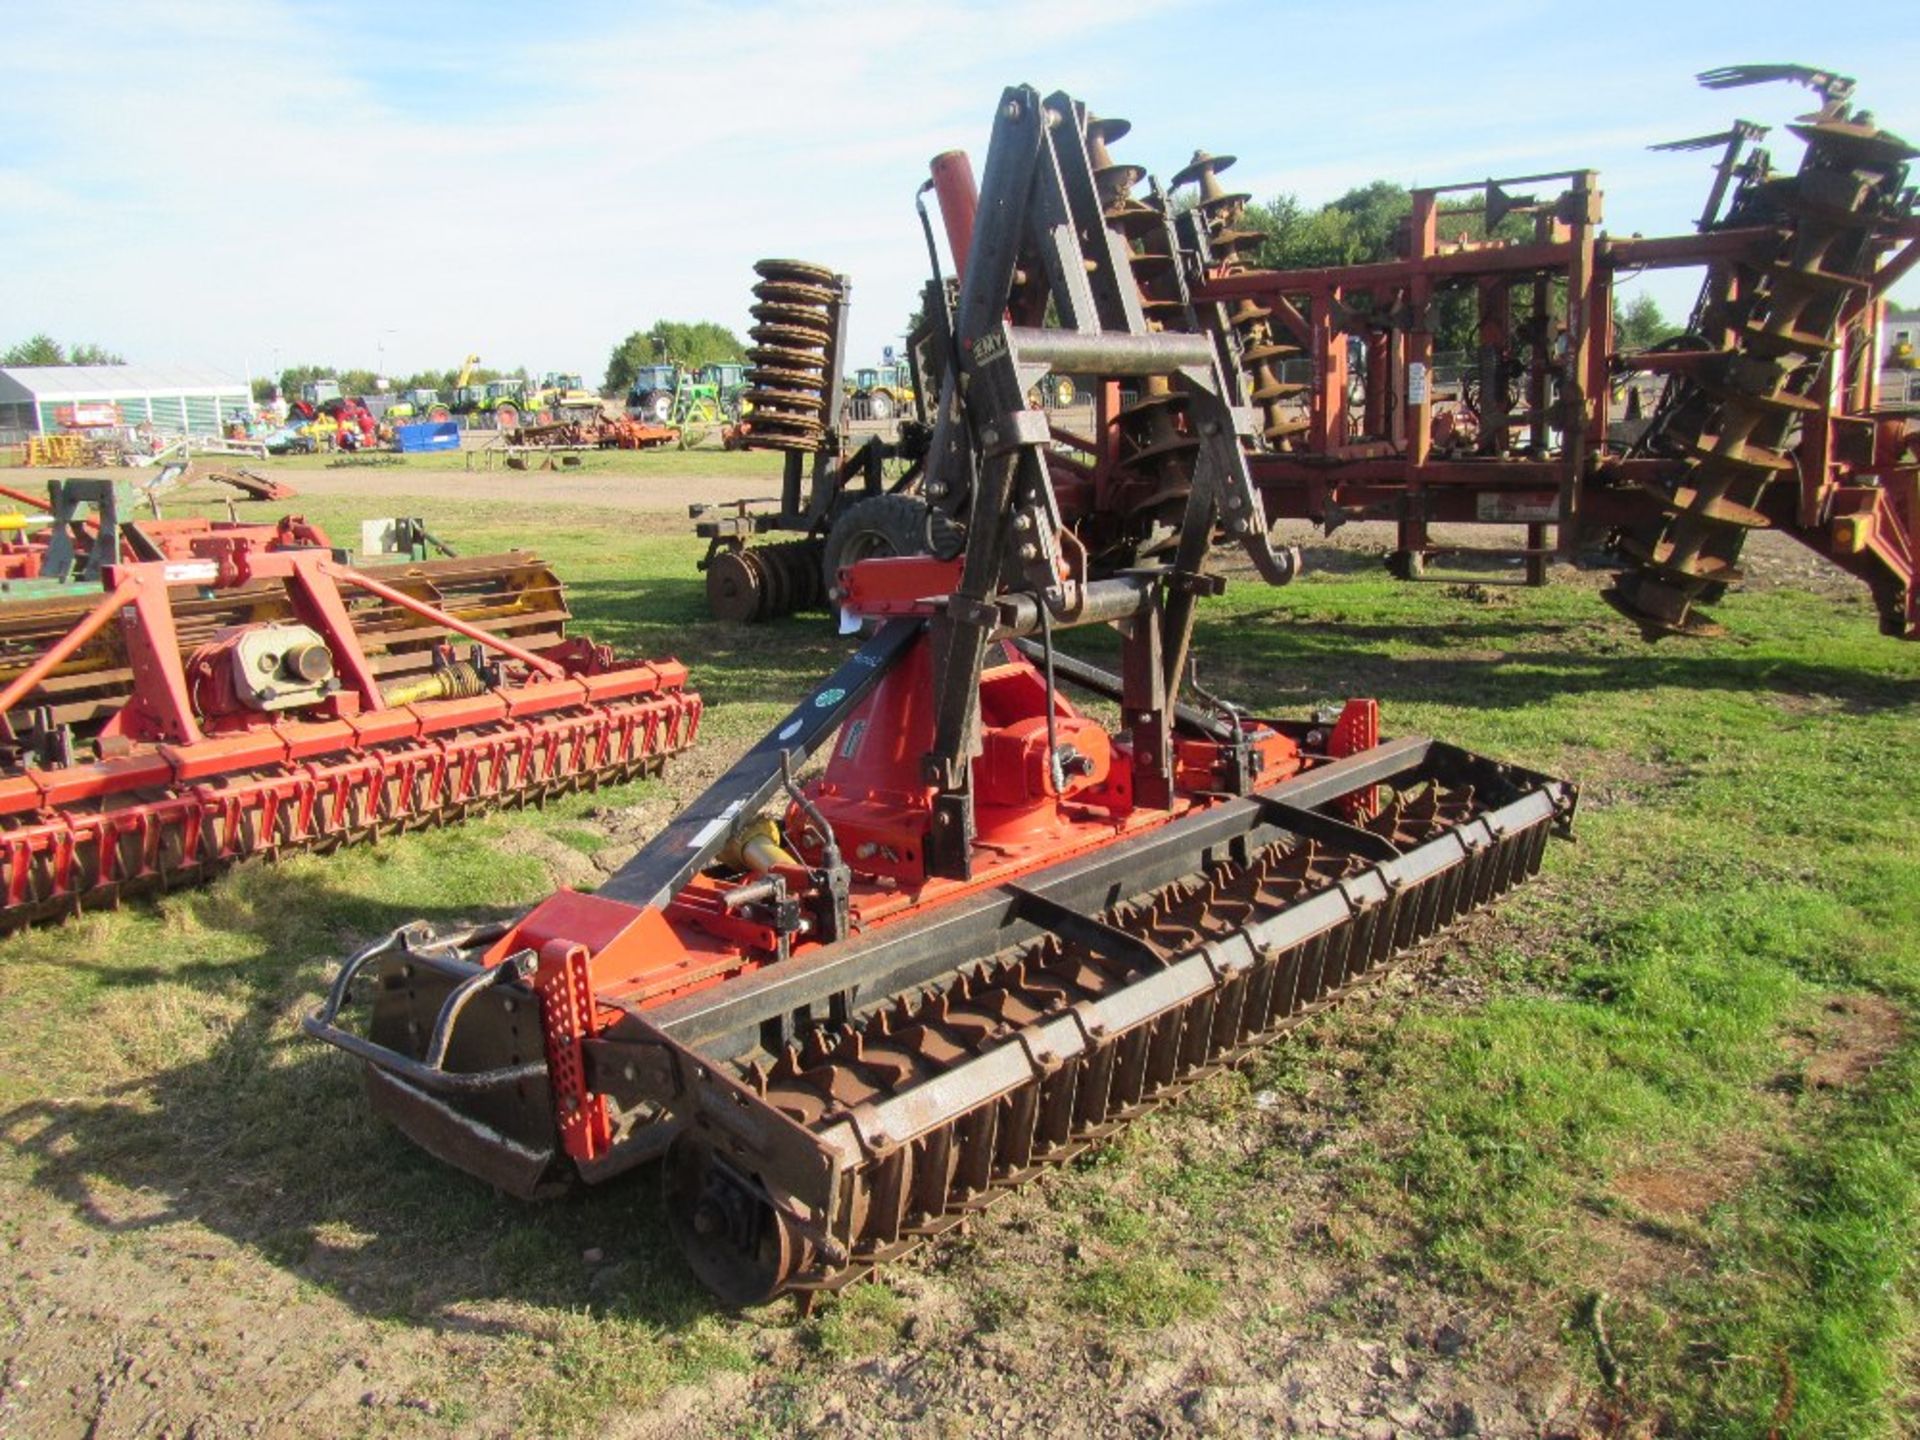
(43, 349)
(356, 380)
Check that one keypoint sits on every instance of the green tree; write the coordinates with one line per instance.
(692, 344)
(43, 349)
(1640, 324)
(294, 376)
(94, 355)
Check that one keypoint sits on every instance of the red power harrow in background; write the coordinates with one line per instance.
(855, 1009)
(267, 736)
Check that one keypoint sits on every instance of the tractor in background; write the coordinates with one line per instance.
(419, 403)
(729, 381)
(695, 403)
(880, 392)
(505, 400)
(566, 397)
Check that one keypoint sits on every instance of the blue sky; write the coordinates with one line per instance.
(246, 183)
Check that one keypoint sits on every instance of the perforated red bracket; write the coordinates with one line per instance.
(565, 987)
(1357, 729)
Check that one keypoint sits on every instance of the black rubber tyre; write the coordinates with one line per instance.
(879, 406)
(877, 526)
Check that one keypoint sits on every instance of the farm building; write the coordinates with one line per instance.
(43, 399)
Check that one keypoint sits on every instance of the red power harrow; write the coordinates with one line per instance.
(251, 701)
(854, 1010)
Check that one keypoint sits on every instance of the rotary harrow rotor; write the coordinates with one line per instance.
(850, 1010)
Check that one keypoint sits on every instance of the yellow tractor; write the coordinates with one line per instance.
(881, 392)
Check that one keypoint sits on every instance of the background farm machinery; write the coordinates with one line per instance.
(846, 500)
(1775, 378)
(854, 1009)
(204, 692)
(1768, 410)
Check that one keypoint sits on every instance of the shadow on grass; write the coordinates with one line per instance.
(267, 1138)
(1275, 655)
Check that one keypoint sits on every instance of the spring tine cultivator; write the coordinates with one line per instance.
(852, 1010)
(255, 700)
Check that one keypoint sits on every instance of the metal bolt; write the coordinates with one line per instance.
(1029, 552)
(989, 436)
(1238, 525)
(1209, 427)
(1023, 521)
(629, 1072)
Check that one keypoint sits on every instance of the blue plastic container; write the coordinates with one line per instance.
(427, 435)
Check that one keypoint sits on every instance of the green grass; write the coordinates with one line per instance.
(1746, 857)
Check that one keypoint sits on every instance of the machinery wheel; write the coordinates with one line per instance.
(736, 1243)
(505, 417)
(870, 529)
(1063, 391)
(735, 588)
(880, 406)
(1407, 564)
(657, 406)
(439, 413)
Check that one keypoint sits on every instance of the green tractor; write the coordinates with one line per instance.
(419, 403)
(505, 400)
(729, 381)
(696, 403)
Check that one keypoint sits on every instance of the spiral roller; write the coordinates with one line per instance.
(1260, 350)
(792, 358)
(1785, 323)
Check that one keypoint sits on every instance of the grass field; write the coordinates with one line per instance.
(1635, 1154)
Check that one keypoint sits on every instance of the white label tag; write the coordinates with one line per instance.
(1416, 384)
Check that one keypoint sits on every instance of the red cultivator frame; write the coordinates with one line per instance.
(271, 736)
(1770, 415)
(991, 930)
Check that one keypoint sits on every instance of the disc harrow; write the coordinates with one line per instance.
(1777, 316)
(763, 582)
